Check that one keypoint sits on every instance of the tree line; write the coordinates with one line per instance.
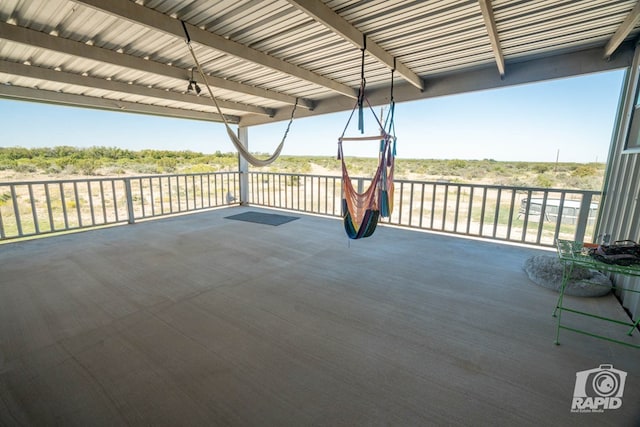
(64, 160)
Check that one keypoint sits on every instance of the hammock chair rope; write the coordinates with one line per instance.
(253, 160)
(361, 211)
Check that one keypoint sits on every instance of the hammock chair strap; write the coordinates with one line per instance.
(254, 161)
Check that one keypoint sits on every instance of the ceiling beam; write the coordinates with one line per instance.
(490, 23)
(623, 31)
(539, 69)
(73, 100)
(38, 39)
(158, 21)
(324, 14)
(48, 74)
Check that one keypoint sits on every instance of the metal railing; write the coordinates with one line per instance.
(527, 215)
(32, 208)
(535, 216)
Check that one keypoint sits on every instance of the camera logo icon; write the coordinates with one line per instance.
(598, 389)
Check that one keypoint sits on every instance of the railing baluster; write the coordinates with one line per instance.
(178, 201)
(319, 198)
(559, 218)
(482, 211)
(526, 217)
(90, 195)
(64, 207)
(34, 213)
(141, 197)
(444, 207)
(201, 192)
(333, 200)
(49, 209)
(497, 214)
(170, 195)
(311, 193)
(195, 195)
(16, 209)
(543, 212)
(115, 200)
(161, 196)
(433, 205)
(293, 182)
(511, 213)
(2, 235)
(470, 209)
(209, 190)
(236, 189)
(152, 199)
(400, 210)
(411, 205)
(105, 220)
(421, 205)
(77, 199)
(215, 189)
(455, 216)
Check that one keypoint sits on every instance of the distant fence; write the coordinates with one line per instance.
(38, 207)
(527, 215)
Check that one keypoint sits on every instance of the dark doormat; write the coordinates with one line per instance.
(263, 218)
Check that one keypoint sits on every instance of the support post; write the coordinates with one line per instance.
(583, 217)
(243, 166)
(127, 189)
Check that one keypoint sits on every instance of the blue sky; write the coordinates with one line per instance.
(532, 122)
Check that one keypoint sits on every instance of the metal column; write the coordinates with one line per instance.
(243, 166)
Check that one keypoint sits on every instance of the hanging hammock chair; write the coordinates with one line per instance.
(255, 161)
(361, 211)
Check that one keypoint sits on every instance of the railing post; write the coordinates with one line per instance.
(360, 185)
(583, 217)
(128, 194)
(243, 166)
(2, 235)
(16, 209)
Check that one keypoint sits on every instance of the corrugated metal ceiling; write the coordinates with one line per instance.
(262, 55)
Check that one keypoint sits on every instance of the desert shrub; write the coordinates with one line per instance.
(4, 198)
(145, 168)
(53, 169)
(499, 170)
(544, 181)
(167, 164)
(584, 171)
(200, 168)
(456, 164)
(541, 168)
(25, 166)
(15, 153)
(7, 165)
(87, 166)
(70, 169)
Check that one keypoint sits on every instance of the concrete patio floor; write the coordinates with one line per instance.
(201, 320)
